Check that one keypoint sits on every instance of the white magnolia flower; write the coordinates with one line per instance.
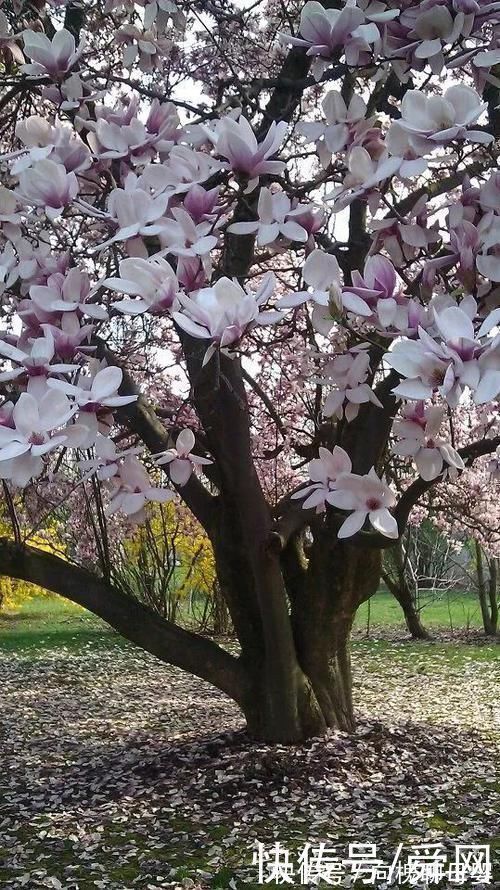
(35, 432)
(430, 121)
(348, 373)
(363, 175)
(136, 214)
(369, 498)
(153, 281)
(94, 396)
(274, 211)
(106, 462)
(132, 490)
(225, 312)
(322, 273)
(333, 134)
(50, 57)
(325, 473)
(47, 184)
(180, 460)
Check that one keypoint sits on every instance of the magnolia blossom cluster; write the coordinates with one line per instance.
(365, 497)
(123, 214)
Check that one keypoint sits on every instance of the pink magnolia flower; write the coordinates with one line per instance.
(274, 211)
(323, 30)
(201, 204)
(437, 120)
(369, 498)
(372, 294)
(135, 212)
(322, 273)
(50, 57)
(153, 281)
(348, 374)
(225, 312)
(48, 185)
(106, 462)
(338, 129)
(183, 237)
(132, 490)
(33, 435)
(326, 473)
(418, 433)
(67, 293)
(180, 460)
(33, 363)
(236, 141)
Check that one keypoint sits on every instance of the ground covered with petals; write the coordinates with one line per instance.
(120, 772)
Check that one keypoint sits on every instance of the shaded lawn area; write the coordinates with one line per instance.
(120, 772)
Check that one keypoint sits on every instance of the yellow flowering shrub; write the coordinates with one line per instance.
(13, 593)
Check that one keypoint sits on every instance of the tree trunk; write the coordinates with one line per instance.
(401, 591)
(486, 593)
(493, 592)
(322, 698)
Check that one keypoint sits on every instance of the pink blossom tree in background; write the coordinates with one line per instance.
(250, 260)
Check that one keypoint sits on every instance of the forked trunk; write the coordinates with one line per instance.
(322, 700)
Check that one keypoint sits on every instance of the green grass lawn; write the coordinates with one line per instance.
(450, 610)
(51, 621)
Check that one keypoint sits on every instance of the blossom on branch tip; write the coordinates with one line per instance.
(322, 273)
(47, 184)
(368, 497)
(418, 437)
(180, 460)
(132, 490)
(224, 312)
(275, 220)
(38, 427)
(153, 281)
(237, 142)
(325, 472)
(106, 462)
(50, 57)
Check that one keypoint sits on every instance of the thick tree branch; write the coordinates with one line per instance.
(135, 621)
(141, 419)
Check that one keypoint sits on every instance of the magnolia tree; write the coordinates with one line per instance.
(288, 214)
